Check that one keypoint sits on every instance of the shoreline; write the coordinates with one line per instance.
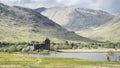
(87, 50)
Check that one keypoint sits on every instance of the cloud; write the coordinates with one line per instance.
(108, 5)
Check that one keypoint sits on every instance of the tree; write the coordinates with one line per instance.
(12, 49)
(67, 43)
(26, 50)
(53, 43)
(109, 54)
(72, 44)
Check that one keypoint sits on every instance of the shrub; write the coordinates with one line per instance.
(12, 49)
(20, 47)
(109, 53)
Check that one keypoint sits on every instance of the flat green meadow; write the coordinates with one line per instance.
(26, 61)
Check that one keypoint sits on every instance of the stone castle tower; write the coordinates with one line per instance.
(47, 44)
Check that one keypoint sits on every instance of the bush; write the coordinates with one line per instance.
(25, 49)
(109, 53)
(12, 49)
(20, 47)
(1, 50)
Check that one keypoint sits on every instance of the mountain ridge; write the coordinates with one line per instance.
(95, 24)
(76, 19)
(26, 24)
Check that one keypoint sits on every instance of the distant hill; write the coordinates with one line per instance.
(94, 24)
(40, 9)
(109, 31)
(18, 24)
(77, 19)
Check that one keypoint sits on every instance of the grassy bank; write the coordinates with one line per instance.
(22, 61)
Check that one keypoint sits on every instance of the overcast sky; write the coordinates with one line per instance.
(107, 5)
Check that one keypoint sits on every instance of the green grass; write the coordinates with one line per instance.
(24, 61)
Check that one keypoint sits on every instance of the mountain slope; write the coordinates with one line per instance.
(23, 24)
(76, 19)
(109, 31)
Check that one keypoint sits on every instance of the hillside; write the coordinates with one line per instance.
(18, 24)
(109, 31)
(77, 19)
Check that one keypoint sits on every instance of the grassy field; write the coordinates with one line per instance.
(24, 61)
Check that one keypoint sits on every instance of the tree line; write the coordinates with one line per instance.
(6, 46)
